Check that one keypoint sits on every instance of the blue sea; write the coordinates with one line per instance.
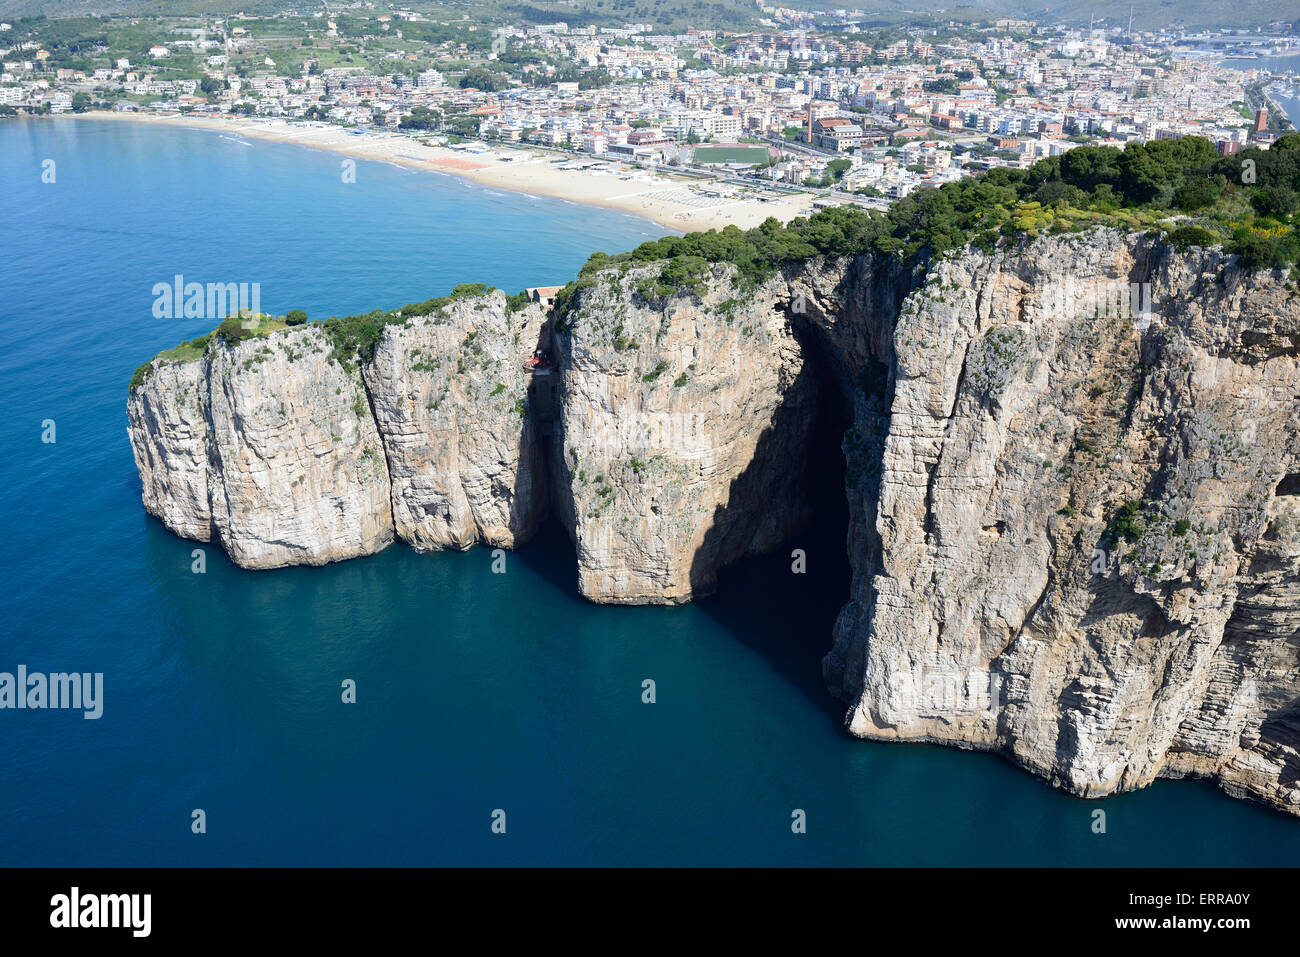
(476, 692)
(1274, 64)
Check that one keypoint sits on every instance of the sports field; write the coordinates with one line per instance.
(730, 154)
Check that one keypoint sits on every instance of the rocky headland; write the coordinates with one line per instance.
(1072, 466)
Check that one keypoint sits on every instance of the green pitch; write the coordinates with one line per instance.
(731, 154)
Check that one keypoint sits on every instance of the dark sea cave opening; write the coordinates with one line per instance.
(784, 609)
(782, 604)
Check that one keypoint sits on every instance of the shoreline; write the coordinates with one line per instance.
(666, 199)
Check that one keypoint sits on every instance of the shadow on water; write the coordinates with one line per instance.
(785, 618)
(784, 615)
(550, 555)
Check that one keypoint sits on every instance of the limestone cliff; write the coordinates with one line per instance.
(1081, 547)
(450, 399)
(169, 438)
(685, 413)
(296, 470)
(1072, 469)
(284, 451)
(265, 446)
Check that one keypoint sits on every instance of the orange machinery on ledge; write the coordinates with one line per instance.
(540, 363)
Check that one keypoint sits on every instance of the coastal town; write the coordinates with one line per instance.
(810, 111)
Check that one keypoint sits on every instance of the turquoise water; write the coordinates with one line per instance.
(475, 691)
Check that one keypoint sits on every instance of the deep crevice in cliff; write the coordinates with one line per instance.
(803, 582)
(384, 441)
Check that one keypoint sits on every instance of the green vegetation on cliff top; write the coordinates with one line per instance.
(352, 337)
(1247, 202)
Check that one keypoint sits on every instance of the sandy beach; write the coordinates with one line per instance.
(671, 200)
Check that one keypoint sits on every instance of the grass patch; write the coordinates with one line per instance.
(717, 155)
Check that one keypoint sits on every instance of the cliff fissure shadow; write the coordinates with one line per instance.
(783, 604)
(782, 564)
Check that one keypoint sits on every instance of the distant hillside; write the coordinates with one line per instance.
(1152, 14)
(734, 14)
(145, 8)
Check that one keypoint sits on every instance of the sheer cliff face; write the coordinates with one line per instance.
(283, 456)
(450, 398)
(685, 414)
(266, 447)
(168, 427)
(1087, 521)
(296, 469)
(1074, 511)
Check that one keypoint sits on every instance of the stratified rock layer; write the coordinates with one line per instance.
(169, 438)
(297, 473)
(284, 455)
(1086, 520)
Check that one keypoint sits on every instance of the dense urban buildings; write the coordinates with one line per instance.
(869, 116)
